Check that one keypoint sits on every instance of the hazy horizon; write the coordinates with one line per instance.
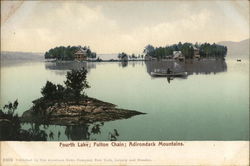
(119, 26)
(100, 53)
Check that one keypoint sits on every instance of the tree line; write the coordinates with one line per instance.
(125, 56)
(187, 49)
(67, 53)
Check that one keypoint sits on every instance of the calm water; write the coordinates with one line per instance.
(211, 103)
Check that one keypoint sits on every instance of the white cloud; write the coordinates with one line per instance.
(39, 26)
(164, 33)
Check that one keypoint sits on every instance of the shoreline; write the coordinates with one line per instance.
(140, 60)
(88, 110)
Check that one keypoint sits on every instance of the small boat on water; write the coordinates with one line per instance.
(164, 74)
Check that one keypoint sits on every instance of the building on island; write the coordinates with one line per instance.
(178, 55)
(81, 55)
(149, 58)
(196, 53)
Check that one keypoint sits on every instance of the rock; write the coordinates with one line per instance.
(89, 108)
(98, 110)
(56, 105)
(87, 111)
(63, 105)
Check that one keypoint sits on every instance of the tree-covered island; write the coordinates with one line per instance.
(70, 53)
(185, 51)
(179, 51)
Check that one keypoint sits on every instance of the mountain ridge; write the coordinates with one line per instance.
(238, 49)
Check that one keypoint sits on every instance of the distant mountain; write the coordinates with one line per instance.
(21, 56)
(14, 58)
(237, 49)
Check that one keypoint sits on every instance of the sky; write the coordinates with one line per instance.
(120, 26)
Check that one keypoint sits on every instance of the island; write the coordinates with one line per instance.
(182, 51)
(70, 53)
(69, 105)
(84, 53)
(88, 110)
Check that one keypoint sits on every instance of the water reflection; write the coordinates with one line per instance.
(203, 66)
(10, 132)
(96, 128)
(89, 132)
(113, 135)
(78, 132)
(123, 64)
(60, 67)
(130, 63)
(38, 132)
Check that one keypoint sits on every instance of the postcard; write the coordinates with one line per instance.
(124, 82)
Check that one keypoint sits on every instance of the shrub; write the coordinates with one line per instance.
(77, 82)
(49, 90)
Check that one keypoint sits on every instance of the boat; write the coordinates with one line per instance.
(164, 74)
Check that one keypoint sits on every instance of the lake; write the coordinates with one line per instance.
(210, 103)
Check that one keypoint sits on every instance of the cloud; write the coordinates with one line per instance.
(161, 34)
(41, 25)
(66, 24)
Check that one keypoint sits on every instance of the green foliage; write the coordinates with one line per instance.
(92, 55)
(49, 90)
(187, 49)
(60, 92)
(149, 50)
(77, 82)
(56, 92)
(10, 126)
(67, 53)
(123, 56)
(11, 107)
(214, 50)
(10, 123)
(8, 112)
(61, 53)
(34, 134)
